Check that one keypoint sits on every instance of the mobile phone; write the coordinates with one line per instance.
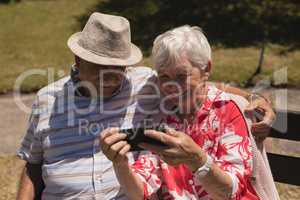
(136, 136)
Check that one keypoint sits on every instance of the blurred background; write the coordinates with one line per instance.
(251, 40)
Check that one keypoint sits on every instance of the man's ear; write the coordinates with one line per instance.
(77, 61)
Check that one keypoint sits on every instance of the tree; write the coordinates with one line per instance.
(230, 23)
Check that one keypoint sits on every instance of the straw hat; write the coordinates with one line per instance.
(105, 40)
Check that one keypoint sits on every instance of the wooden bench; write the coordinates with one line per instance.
(285, 169)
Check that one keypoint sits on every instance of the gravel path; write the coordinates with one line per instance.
(13, 122)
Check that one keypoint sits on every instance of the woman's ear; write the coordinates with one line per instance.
(207, 70)
(208, 67)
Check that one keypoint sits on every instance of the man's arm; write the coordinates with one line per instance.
(258, 104)
(31, 184)
(115, 149)
(230, 89)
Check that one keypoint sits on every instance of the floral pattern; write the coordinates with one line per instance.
(220, 129)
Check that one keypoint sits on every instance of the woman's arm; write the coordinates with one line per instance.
(232, 166)
(234, 155)
(229, 174)
(216, 182)
(183, 150)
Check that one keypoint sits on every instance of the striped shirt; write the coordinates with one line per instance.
(63, 135)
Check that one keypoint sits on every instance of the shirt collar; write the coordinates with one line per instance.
(214, 95)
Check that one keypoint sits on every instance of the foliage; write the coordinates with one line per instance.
(231, 23)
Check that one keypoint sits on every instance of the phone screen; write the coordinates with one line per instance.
(136, 136)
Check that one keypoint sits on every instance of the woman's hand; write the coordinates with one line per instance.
(113, 146)
(181, 148)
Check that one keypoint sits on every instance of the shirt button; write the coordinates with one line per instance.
(99, 177)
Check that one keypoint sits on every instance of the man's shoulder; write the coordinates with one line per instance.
(46, 96)
(140, 72)
(54, 88)
(141, 79)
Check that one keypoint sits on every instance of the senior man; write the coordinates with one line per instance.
(61, 147)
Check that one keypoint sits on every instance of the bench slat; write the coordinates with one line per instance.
(285, 169)
(286, 125)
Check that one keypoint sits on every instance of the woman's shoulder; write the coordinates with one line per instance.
(222, 102)
(216, 97)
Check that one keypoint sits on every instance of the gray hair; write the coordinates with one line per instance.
(184, 41)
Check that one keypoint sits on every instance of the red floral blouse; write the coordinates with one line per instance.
(220, 130)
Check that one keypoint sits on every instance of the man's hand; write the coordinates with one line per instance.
(266, 114)
(31, 184)
(181, 148)
(259, 104)
(113, 146)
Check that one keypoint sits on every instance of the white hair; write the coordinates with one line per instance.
(184, 41)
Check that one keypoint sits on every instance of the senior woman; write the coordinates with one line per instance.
(208, 153)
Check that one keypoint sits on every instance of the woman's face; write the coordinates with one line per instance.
(182, 84)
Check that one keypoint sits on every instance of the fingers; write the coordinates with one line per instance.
(110, 139)
(170, 160)
(117, 147)
(150, 147)
(113, 145)
(269, 116)
(172, 132)
(121, 155)
(265, 115)
(115, 150)
(167, 139)
(114, 138)
(251, 107)
(261, 106)
(255, 112)
(107, 132)
(262, 128)
(165, 151)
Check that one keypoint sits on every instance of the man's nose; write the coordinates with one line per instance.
(171, 88)
(111, 77)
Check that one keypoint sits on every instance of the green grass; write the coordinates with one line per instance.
(33, 34)
(11, 169)
(236, 65)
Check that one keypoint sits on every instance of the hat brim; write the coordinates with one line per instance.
(135, 56)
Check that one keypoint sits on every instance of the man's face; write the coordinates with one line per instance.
(105, 79)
